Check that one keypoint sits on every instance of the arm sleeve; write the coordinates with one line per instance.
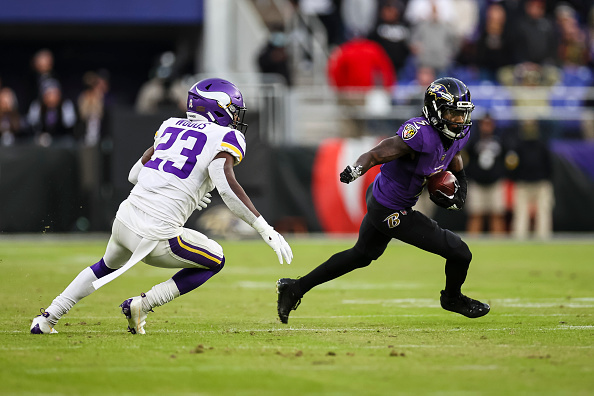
(135, 171)
(217, 175)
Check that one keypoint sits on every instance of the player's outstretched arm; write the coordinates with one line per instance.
(387, 150)
(133, 175)
(222, 174)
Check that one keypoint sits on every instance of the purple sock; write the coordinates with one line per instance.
(188, 279)
(100, 269)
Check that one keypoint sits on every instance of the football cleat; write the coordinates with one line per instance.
(42, 325)
(464, 305)
(136, 315)
(289, 298)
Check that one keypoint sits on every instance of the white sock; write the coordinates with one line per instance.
(78, 289)
(160, 294)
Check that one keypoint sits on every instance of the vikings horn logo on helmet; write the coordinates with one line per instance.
(223, 99)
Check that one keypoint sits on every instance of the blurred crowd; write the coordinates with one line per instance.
(47, 117)
(501, 41)
(394, 44)
(386, 52)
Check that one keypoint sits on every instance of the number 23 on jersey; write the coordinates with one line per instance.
(172, 150)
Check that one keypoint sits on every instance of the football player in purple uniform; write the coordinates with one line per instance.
(422, 147)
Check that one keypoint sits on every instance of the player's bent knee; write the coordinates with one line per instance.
(219, 267)
(463, 254)
(459, 250)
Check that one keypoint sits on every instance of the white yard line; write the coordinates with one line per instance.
(332, 330)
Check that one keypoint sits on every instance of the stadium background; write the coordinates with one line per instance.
(296, 144)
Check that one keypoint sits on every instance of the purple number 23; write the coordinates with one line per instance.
(190, 153)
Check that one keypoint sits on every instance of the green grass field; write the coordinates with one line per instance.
(376, 331)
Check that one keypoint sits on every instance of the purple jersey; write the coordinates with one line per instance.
(401, 181)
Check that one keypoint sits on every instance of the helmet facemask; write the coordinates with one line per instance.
(237, 115)
(456, 120)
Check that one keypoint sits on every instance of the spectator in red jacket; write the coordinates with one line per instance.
(360, 64)
(363, 74)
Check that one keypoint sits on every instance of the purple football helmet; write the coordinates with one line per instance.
(447, 99)
(217, 100)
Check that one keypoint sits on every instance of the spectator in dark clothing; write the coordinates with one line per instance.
(529, 162)
(535, 38)
(328, 12)
(42, 67)
(12, 125)
(91, 107)
(274, 57)
(392, 34)
(494, 46)
(485, 171)
(52, 117)
(573, 47)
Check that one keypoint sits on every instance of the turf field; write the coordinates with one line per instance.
(376, 331)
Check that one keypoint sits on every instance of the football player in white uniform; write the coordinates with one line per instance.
(190, 157)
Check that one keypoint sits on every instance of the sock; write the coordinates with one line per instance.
(337, 265)
(181, 283)
(189, 279)
(160, 294)
(78, 289)
(455, 277)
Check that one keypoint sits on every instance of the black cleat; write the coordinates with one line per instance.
(464, 305)
(289, 298)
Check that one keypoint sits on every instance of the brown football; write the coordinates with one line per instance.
(442, 181)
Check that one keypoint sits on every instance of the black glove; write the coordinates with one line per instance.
(457, 201)
(349, 173)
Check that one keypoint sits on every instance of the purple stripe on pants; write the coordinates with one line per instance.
(190, 278)
(100, 269)
(195, 254)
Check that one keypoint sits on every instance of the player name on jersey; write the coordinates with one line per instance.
(191, 124)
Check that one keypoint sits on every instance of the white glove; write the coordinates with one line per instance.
(274, 240)
(203, 203)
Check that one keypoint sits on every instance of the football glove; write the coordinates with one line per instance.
(278, 244)
(203, 203)
(450, 202)
(274, 240)
(456, 201)
(350, 173)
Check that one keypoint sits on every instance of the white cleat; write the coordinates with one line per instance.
(41, 324)
(132, 309)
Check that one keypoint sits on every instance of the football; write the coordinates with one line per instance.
(442, 181)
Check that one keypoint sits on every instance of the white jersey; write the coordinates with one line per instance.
(176, 178)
